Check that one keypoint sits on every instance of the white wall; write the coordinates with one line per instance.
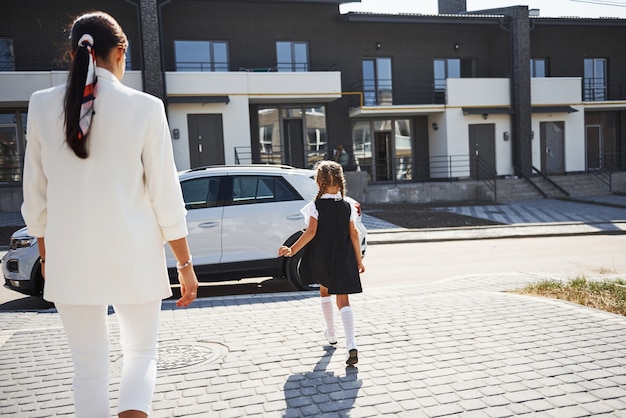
(18, 86)
(574, 141)
(235, 121)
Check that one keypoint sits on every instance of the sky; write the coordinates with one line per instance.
(548, 8)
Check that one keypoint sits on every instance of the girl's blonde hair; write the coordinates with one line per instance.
(330, 173)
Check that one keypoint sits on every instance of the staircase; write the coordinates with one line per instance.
(574, 184)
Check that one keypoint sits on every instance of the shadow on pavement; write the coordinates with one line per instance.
(26, 303)
(307, 393)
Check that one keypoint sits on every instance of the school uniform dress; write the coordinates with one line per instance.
(105, 218)
(329, 258)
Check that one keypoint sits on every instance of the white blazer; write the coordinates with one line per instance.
(104, 218)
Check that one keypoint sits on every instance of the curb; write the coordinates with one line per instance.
(393, 236)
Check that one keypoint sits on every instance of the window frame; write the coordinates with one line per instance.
(6, 50)
(291, 63)
(203, 66)
(374, 86)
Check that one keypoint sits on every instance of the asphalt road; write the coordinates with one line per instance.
(426, 262)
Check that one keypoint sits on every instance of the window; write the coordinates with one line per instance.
(129, 63)
(445, 68)
(11, 149)
(292, 56)
(595, 80)
(539, 67)
(377, 82)
(261, 189)
(201, 56)
(7, 60)
(201, 192)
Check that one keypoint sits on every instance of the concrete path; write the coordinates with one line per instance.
(460, 347)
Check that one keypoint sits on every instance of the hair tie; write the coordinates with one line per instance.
(85, 40)
(89, 93)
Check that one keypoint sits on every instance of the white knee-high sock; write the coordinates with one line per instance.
(348, 326)
(327, 310)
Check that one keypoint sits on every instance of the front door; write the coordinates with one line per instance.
(294, 142)
(482, 143)
(552, 146)
(383, 155)
(206, 140)
(594, 147)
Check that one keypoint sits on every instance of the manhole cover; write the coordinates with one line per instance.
(179, 356)
(175, 357)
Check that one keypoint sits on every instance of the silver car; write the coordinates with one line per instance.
(237, 218)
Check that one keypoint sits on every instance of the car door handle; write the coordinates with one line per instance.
(209, 224)
(295, 217)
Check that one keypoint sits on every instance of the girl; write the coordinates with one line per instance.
(99, 168)
(333, 256)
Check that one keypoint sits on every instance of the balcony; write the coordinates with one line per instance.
(18, 86)
(258, 86)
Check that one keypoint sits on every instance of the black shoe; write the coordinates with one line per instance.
(353, 357)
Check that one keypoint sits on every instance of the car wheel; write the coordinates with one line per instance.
(292, 268)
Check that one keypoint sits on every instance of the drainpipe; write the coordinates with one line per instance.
(153, 74)
(519, 30)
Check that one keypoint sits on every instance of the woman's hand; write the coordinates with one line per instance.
(188, 286)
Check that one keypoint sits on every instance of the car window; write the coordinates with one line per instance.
(200, 192)
(260, 189)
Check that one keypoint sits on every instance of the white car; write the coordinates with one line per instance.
(237, 218)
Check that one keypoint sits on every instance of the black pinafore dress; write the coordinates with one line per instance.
(329, 258)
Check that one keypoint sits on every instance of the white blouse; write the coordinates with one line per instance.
(310, 211)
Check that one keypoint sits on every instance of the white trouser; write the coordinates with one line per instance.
(86, 327)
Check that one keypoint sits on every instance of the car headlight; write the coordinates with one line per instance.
(22, 242)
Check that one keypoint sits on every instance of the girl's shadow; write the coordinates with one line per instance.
(321, 392)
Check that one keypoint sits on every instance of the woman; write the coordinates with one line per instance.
(101, 194)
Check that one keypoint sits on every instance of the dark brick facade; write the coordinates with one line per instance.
(500, 46)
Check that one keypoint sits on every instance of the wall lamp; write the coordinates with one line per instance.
(435, 127)
(456, 47)
(485, 116)
(505, 136)
(378, 45)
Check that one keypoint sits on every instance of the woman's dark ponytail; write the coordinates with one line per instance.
(74, 100)
(93, 36)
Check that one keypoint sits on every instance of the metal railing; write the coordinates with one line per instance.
(601, 89)
(549, 180)
(11, 168)
(397, 92)
(602, 166)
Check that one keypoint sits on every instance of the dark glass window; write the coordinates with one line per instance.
(7, 60)
(377, 82)
(201, 56)
(292, 56)
(539, 67)
(201, 192)
(261, 189)
(595, 80)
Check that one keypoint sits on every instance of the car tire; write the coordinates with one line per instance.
(37, 279)
(292, 268)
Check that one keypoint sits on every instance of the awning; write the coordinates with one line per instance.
(553, 109)
(198, 99)
(487, 110)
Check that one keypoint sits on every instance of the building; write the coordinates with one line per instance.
(401, 99)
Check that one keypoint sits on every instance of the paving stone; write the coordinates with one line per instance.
(459, 348)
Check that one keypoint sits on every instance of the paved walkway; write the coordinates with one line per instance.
(461, 347)
(458, 347)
